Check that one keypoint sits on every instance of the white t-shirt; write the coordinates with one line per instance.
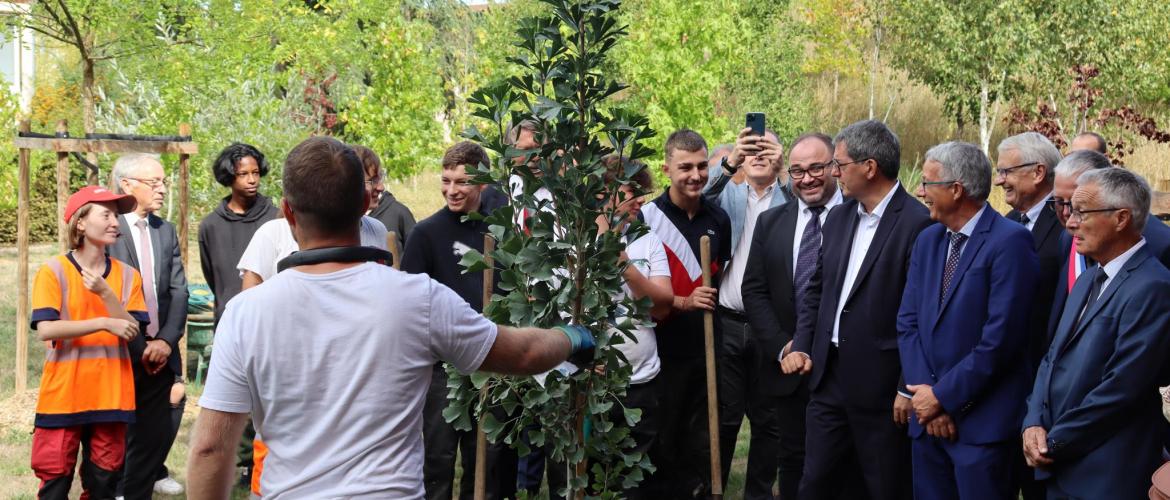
(334, 369)
(649, 256)
(274, 241)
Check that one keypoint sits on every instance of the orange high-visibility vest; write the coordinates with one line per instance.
(86, 379)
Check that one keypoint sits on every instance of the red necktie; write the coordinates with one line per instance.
(1073, 273)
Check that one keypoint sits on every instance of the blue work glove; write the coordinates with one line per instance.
(581, 343)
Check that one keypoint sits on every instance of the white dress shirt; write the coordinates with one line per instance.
(967, 230)
(866, 229)
(1034, 212)
(730, 295)
(803, 215)
(1114, 266)
(132, 219)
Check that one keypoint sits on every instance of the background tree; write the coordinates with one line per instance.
(970, 55)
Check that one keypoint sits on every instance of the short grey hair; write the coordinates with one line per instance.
(1079, 162)
(1121, 188)
(126, 166)
(965, 163)
(1033, 147)
(871, 139)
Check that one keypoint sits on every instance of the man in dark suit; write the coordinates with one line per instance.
(1026, 170)
(782, 258)
(1068, 173)
(150, 245)
(845, 334)
(1093, 419)
(961, 332)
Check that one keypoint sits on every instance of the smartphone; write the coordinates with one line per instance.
(755, 121)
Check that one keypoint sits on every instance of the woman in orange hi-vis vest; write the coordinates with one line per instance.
(86, 307)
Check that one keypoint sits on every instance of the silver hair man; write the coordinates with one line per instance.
(966, 164)
(1119, 188)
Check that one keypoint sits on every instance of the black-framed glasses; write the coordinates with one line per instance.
(816, 170)
(836, 165)
(153, 183)
(1003, 172)
(937, 183)
(1059, 206)
(1080, 214)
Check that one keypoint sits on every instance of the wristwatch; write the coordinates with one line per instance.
(727, 167)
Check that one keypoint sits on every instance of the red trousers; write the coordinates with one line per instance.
(54, 457)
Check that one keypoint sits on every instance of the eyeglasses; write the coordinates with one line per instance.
(836, 165)
(816, 171)
(1059, 206)
(376, 181)
(937, 183)
(1003, 172)
(1079, 215)
(153, 183)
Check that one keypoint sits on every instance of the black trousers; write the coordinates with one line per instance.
(681, 452)
(149, 438)
(739, 395)
(441, 442)
(791, 412)
(839, 432)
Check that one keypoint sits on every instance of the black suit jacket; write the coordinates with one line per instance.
(1046, 234)
(170, 280)
(868, 344)
(769, 295)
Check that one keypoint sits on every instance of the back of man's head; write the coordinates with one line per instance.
(1091, 141)
(325, 186)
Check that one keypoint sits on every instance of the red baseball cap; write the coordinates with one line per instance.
(97, 194)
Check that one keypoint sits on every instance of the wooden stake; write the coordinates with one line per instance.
(392, 246)
(20, 371)
(712, 388)
(184, 228)
(62, 188)
(489, 245)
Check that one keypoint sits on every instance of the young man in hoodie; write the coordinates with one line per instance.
(225, 233)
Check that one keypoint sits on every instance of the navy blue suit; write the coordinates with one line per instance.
(1157, 235)
(972, 348)
(1096, 390)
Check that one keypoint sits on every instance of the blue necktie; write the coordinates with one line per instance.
(810, 247)
(957, 240)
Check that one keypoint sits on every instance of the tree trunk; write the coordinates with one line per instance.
(985, 121)
(88, 112)
(873, 70)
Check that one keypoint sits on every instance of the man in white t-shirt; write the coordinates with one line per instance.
(648, 275)
(333, 359)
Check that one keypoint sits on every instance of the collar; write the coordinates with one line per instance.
(668, 204)
(132, 218)
(880, 209)
(835, 200)
(1114, 266)
(768, 191)
(969, 228)
(1034, 212)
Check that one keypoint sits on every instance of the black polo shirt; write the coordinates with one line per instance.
(681, 335)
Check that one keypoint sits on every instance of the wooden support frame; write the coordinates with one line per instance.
(63, 146)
